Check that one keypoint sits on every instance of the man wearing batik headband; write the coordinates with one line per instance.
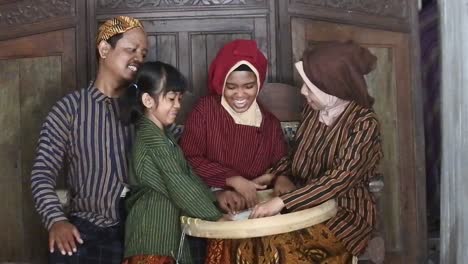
(83, 137)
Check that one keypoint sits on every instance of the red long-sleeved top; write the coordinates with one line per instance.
(217, 148)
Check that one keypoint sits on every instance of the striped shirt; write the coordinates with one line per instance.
(218, 148)
(337, 162)
(163, 187)
(82, 138)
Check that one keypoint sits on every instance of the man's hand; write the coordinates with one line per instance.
(230, 201)
(283, 185)
(272, 207)
(264, 179)
(63, 234)
(248, 189)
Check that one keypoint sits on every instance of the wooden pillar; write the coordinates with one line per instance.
(454, 180)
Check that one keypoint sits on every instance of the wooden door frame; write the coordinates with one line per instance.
(321, 12)
(420, 242)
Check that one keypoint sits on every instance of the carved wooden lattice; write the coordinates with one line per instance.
(31, 11)
(106, 4)
(391, 8)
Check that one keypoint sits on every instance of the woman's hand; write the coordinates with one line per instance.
(230, 201)
(248, 189)
(264, 179)
(283, 185)
(272, 207)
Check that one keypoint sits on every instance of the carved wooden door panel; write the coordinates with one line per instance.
(401, 209)
(193, 49)
(38, 65)
(35, 72)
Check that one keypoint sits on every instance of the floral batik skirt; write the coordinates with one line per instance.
(315, 244)
(149, 259)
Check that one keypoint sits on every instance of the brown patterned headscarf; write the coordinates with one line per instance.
(116, 25)
(338, 69)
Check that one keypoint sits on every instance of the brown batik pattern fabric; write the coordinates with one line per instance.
(149, 259)
(116, 25)
(315, 245)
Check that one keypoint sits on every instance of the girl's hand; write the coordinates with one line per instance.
(272, 207)
(230, 201)
(225, 218)
(248, 189)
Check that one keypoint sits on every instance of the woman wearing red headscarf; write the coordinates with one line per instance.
(338, 148)
(229, 138)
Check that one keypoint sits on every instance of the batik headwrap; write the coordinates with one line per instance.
(116, 25)
(338, 69)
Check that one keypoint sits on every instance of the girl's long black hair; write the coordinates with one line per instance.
(154, 78)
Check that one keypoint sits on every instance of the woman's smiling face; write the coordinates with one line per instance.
(240, 90)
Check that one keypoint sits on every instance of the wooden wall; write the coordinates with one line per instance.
(58, 36)
(39, 42)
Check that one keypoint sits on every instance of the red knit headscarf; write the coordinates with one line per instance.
(229, 55)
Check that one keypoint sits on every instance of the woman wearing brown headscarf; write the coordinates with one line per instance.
(337, 151)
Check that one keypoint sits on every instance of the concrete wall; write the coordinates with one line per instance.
(454, 178)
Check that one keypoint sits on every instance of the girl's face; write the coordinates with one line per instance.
(312, 99)
(240, 90)
(164, 112)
